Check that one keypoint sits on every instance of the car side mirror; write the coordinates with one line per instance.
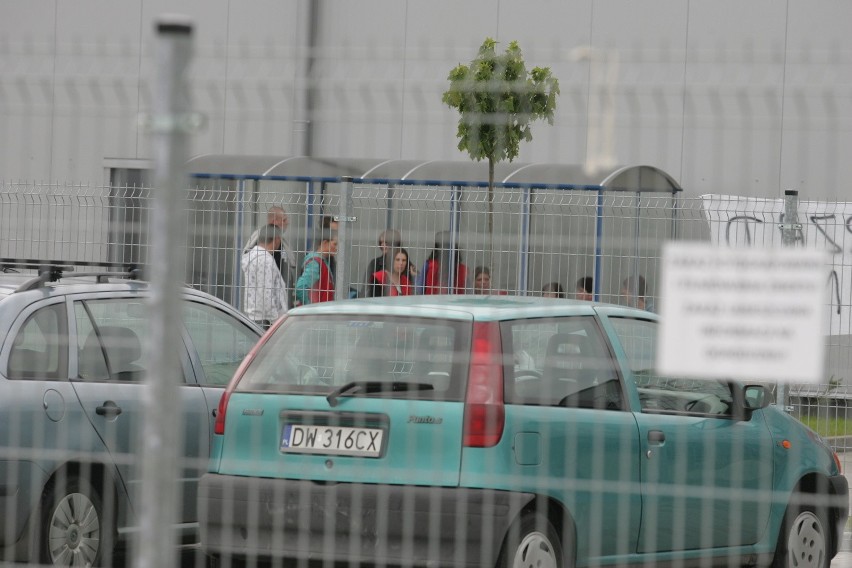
(756, 397)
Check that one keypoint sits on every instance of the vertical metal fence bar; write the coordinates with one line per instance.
(637, 248)
(389, 207)
(162, 440)
(788, 238)
(522, 283)
(455, 222)
(596, 283)
(236, 297)
(344, 230)
(310, 212)
(673, 233)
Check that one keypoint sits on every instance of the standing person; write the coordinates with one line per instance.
(285, 257)
(634, 290)
(438, 267)
(388, 239)
(265, 291)
(552, 290)
(392, 279)
(583, 289)
(316, 284)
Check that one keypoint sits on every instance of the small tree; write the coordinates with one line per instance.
(497, 99)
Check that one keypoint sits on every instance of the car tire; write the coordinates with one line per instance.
(74, 529)
(805, 539)
(532, 542)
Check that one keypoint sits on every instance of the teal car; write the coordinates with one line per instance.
(505, 431)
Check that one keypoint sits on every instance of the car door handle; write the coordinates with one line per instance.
(656, 436)
(109, 409)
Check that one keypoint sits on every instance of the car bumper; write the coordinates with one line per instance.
(396, 524)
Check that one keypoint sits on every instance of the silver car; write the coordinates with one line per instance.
(72, 369)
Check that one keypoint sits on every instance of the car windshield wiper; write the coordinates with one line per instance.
(373, 387)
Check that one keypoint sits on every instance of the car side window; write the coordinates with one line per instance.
(661, 394)
(40, 348)
(560, 362)
(221, 341)
(110, 335)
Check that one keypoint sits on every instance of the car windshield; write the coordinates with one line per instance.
(319, 354)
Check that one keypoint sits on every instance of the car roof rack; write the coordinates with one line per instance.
(53, 270)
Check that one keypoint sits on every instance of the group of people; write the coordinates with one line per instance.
(633, 292)
(393, 273)
(270, 267)
(275, 281)
(582, 290)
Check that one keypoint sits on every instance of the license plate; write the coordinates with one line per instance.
(332, 440)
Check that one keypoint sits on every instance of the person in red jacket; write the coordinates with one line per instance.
(440, 267)
(393, 279)
(316, 284)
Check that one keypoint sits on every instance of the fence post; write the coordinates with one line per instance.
(236, 280)
(599, 211)
(341, 280)
(522, 284)
(455, 220)
(160, 463)
(789, 229)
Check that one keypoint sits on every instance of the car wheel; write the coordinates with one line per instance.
(533, 543)
(75, 530)
(804, 541)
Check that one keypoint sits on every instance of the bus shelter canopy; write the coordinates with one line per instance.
(640, 178)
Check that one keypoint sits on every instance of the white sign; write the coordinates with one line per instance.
(742, 313)
(745, 222)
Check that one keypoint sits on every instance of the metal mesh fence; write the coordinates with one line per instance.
(527, 237)
(733, 109)
(537, 236)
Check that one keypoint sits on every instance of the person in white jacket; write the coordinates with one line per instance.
(285, 257)
(265, 290)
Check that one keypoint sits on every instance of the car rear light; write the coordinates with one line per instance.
(219, 425)
(837, 462)
(222, 410)
(484, 415)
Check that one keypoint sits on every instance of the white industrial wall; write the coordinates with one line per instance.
(746, 98)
